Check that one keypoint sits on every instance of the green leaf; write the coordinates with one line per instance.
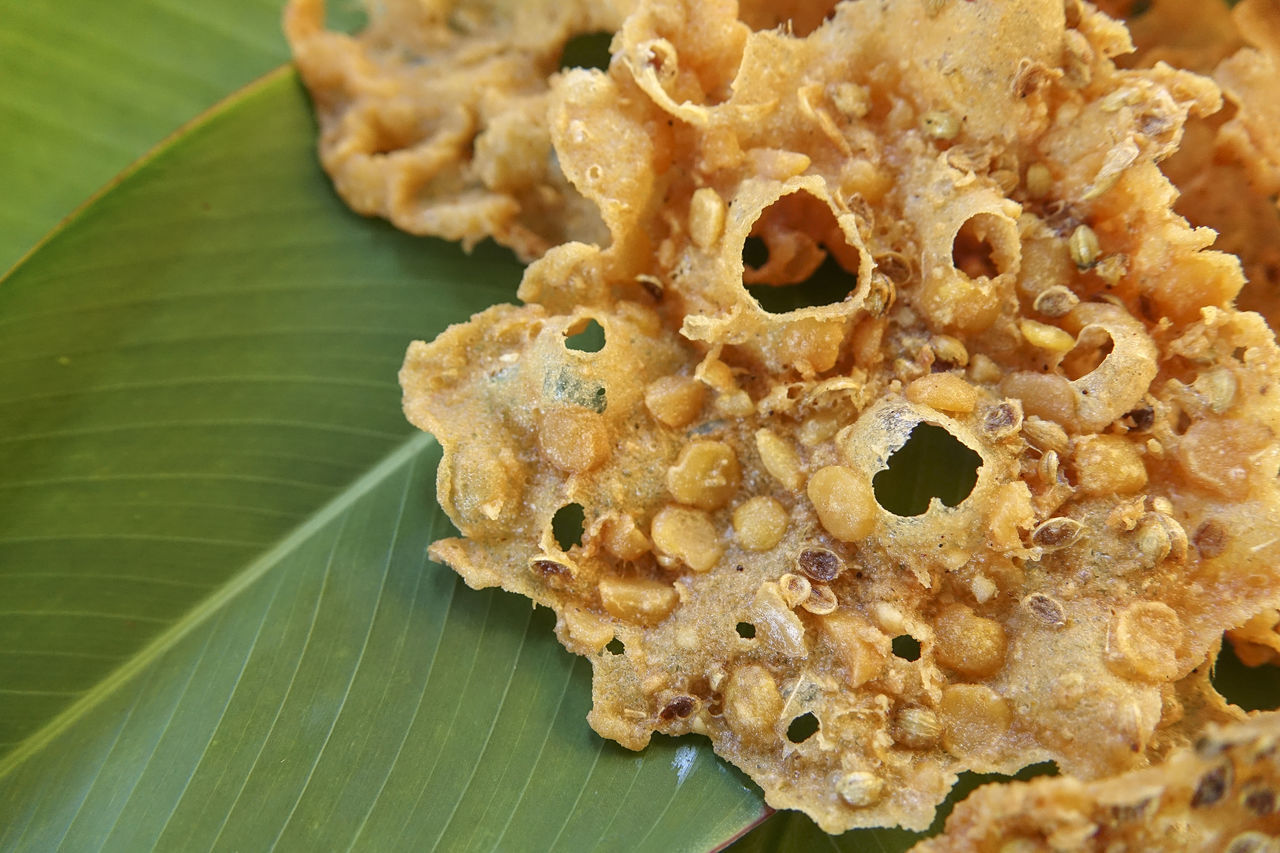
(217, 624)
(88, 87)
(219, 628)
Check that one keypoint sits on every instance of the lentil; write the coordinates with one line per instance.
(574, 440)
(1039, 180)
(706, 217)
(1146, 637)
(970, 644)
(752, 703)
(939, 124)
(684, 535)
(1046, 337)
(706, 475)
(1109, 465)
(760, 523)
(779, 459)
(844, 501)
(640, 600)
(974, 718)
(945, 392)
(675, 400)
(846, 634)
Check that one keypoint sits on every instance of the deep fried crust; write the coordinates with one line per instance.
(1228, 168)
(1014, 277)
(434, 116)
(1223, 794)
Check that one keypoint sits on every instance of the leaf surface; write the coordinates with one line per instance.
(217, 625)
(89, 87)
(220, 630)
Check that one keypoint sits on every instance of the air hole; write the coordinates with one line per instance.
(802, 728)
(1087, 354)
(755, 253)
(971, 253)
(746, 630)
(828, 284)
(566, 526)
(932, 464)
(589, 50)
(906, 647)
(797, 256)
(1253, 688)
(585, 337)
(615, 647)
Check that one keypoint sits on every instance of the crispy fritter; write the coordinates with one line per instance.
(1228, 168)
(1015, 277)
(1223, 794)
(984, 186)
(434, 116)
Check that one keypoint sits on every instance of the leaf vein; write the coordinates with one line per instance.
(229, 591)
(364, 647)
(293, 680)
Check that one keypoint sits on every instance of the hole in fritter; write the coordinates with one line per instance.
(932, 464)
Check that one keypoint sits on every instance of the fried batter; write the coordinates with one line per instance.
(1051, 600)
(1228, 169)
(986, 184)
(1223, 794)
(434, 117)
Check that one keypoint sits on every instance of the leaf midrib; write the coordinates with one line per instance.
(179, 133)
(407, 450)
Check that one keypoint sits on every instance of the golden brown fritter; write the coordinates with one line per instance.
(984, 187)
(1223, 794)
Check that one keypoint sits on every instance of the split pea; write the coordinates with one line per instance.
(1039, 180)
(845, 504)
(760, 523)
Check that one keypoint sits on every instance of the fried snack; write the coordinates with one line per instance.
(1183, 33)
(434, 117)
(1228, 169)
(1222, 795)
(987, 181)
(1245, 205)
